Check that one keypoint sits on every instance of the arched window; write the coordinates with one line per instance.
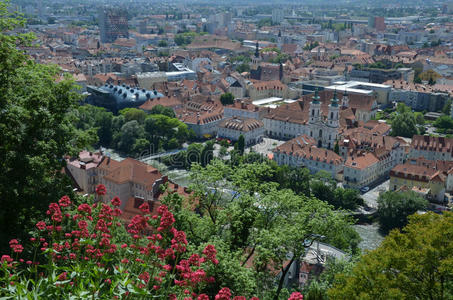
(320, 132)
(312, 112)
(331, 115)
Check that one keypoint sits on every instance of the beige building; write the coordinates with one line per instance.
(83, 170)
(232, 128)
(436, 177)
(128, 179)
(432, 148)
(302, 152)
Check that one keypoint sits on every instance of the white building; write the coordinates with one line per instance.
(232, 128)
(301, 152)
(432, 148)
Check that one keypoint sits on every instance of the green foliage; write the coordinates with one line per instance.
(419, 118)
(244, 67)
(36, 131)
(133, 131)
(162, 43)
(241, 144)
(338, 197)
(447, 107)
(133, 114)
(404, 124)
(183, 39)
(240, 206)
(162, 110)
(265, 22)
(412, 264)
(310, 46)
(227, 98)
(281, 58)
(444, 124)
(296, 179)
(395, 207)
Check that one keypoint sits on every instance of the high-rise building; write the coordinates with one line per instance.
(277, 15)
(113, 24)
(377, 23)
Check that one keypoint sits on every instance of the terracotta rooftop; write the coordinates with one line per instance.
(165, 101)
(431, 143)
(241, 124)
(361, 162)
(303, 146)
(130, 170)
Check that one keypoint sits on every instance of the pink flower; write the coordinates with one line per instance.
(82, 224)
(210, 253)
(62, 276)
(203, 297)
(223, 294)
(144, 276)
(144, 208)
(116, 201)
(296, 296)
(64, 201)
(6, 258)
(84, 208)
(101, 190)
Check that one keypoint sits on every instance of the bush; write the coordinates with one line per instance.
(85, 251)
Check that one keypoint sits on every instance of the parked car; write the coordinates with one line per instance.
(365, 189)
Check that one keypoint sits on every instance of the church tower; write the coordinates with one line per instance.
(334, 110)
(345, 100)
(256, 59)
(315, 109)
(279, 40)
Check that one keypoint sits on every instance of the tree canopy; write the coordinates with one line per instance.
(395, 207)
(413, 264)
(227, 98)
(36, 131)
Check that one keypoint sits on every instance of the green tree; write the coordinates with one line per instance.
(227, 98)
(336, 148)
(419, 118)
(295, 178)
(36, 132)
(412, 264)
(404, 125)
(244, 67)
(133, 114)
(162, 43)
(128, 135)
(395, 207)
(447, 107)
(241, 144)
(162, 110)
(445, 123)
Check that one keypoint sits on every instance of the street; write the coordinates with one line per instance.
(372, 195)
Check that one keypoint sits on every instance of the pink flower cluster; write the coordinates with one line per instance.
(87, 234)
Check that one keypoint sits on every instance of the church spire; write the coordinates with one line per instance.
(316, 97)
(334, 100)
(257, 50)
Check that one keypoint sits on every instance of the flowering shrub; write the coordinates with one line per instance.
(86, 251)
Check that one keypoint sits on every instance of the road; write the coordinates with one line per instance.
(372, 195)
